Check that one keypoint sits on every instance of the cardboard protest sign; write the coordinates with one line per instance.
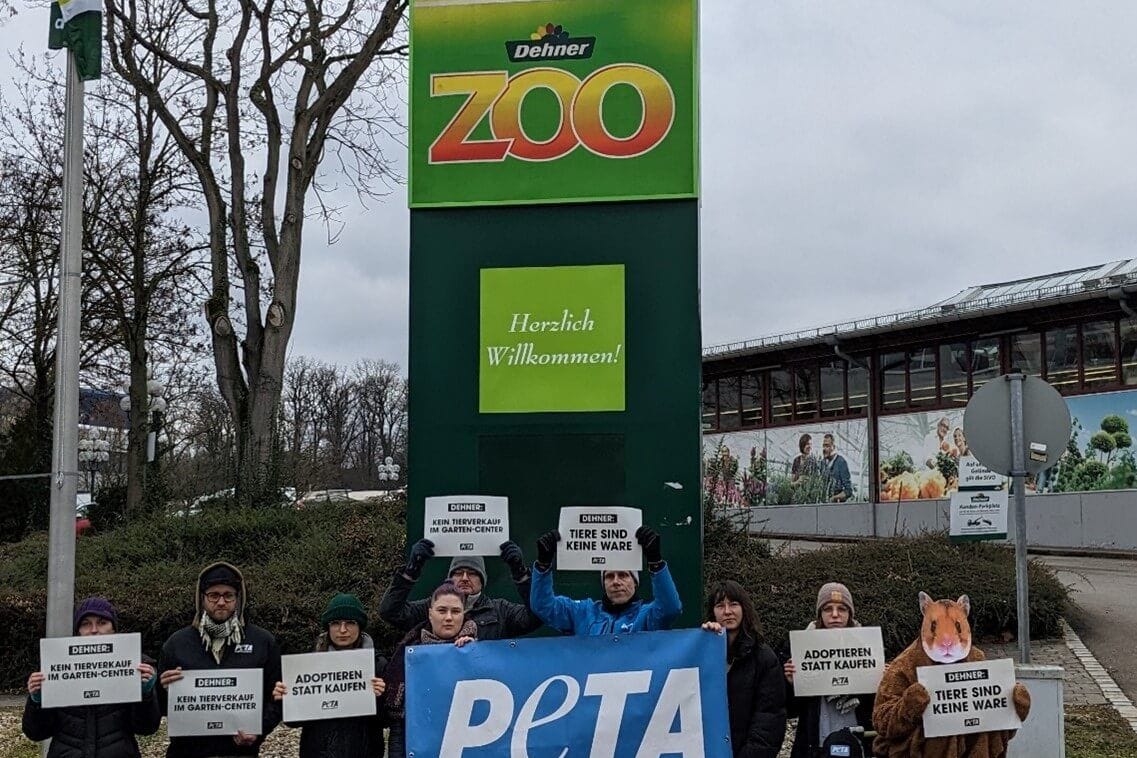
(969, 697)
(94, 670)
(837, 661)
(328, 685)
(466, 524)
(213, 702)
(602, 538)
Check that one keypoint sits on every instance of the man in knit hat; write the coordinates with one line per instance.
(221, 638)
(496, 618)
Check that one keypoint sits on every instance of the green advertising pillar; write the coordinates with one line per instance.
(554, 326)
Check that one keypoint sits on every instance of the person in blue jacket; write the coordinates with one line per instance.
(620, 611)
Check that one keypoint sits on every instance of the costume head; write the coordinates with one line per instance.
(945, 633)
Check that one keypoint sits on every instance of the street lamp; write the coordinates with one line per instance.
(156, 407)
(388, 470)
(93, 453)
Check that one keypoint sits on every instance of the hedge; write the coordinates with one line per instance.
(295, 560)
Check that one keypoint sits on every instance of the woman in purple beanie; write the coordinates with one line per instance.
(105, 731)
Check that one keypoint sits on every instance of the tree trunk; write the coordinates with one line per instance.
(136, 439)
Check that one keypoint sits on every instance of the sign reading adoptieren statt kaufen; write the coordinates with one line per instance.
(550, 101)
(92, 670)
(466, 524)
(969, 697)
(600, 539)
(328, 685)
(212, 702)
(552, 339)
(837, 661)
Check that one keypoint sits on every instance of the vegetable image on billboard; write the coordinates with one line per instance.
(552, 339)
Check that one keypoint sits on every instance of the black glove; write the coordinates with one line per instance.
(649, 541)
(420, 552)
(514, 558)
(547, 548)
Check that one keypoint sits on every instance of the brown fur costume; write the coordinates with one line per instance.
(901, 700)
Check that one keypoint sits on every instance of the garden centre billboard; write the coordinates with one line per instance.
(551, 101)
(920, 456)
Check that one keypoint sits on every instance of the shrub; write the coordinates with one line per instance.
(885, 577)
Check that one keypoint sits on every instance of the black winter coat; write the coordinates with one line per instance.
(359, 737)
(755, 693)
(807, 737)
(93, 731)
(258, 649)
(497, 619)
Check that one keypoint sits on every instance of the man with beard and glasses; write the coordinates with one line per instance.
(620, 611)
(220, 638)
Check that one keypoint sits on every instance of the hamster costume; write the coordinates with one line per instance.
(901, 700)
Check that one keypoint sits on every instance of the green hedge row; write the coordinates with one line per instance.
(295, 560)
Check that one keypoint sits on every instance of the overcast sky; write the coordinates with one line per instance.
(857, 158)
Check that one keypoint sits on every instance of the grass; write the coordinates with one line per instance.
(1097, 731)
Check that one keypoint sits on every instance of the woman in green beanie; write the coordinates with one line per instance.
(343, 622)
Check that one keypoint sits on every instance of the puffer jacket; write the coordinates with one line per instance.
(497, 618)
(358, 737)
(93, 731)
(756, 696)
(258, 650)
(589, 618)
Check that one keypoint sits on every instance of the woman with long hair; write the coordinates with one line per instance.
(446, 624)
(754, 690)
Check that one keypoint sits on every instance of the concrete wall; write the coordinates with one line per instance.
(1105, 520)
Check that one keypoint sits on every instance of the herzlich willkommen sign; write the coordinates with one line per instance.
(328, 685)
(214, 702)
(837, 661)
(94, 670)
(466, 524)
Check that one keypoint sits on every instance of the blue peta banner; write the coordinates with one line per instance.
(641, 695)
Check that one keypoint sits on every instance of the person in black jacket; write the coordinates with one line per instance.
(220, 638)
(106, 731)
(496, 618)
(818, 717)
(358, 737)
(755, 693)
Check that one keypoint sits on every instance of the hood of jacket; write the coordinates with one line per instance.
(242, 595)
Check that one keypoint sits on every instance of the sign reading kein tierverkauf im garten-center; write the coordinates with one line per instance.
(497, 94)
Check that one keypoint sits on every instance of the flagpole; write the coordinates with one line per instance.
(65, 442)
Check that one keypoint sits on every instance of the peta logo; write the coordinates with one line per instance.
(971, 722)
(244, 648)
(89, 694)
(329, 705)
(466, 546)
(839, 751)
(215, 725)
(551, 42)
(599, 560)
(839, 680)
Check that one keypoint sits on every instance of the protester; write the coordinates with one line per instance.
(106, 731)
(818, 717)
(220, 638)
(343, 622)
(755, 694)
(496, 618)
(446, 622)
(620, 611)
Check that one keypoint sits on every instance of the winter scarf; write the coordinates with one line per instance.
(395, 697)
(215, 635)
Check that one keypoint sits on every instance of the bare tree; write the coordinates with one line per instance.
(236, 62)
(380, 413)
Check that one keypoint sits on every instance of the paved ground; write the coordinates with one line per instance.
(1105, 591)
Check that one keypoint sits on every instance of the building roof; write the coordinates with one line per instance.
(1020, 294)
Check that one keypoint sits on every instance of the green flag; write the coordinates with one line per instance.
(78, 26)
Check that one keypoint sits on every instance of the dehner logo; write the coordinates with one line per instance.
(551, 42)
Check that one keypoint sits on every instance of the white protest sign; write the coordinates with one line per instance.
(209, 702)
(466, 524)
(969, 697)
(973, 475)
(837, 661)
(328, 685)
(600, 539)
(978, 516)
(93, 670)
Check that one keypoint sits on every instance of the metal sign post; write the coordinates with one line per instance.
(1018, 425)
